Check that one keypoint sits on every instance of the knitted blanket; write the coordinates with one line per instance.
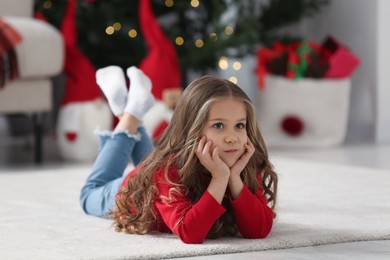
(9, 38)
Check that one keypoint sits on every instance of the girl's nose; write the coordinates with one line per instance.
(231, 139)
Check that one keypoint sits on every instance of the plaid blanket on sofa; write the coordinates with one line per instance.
(9, 38)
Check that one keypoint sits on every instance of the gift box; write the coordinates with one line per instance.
(342, 62)
(305, 112)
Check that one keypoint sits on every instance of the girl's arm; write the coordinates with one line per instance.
(193, 222)
(235, 186)
(235, 183)
(254, 217)
(190, 222)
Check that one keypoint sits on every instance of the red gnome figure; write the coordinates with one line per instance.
(161, 65)
(83, 108)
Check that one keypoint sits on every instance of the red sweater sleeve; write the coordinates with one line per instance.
(254, 217)
(190, 222)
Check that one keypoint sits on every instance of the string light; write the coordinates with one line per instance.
(117, 26)
(199, 43)
(110, 30)
(229, 30)
(132, 33)
(213, 36)
(195, 3)
(47, 4)
(237, 65)
(179, 40)
(169, 3)
(233, 79)
(223, 63)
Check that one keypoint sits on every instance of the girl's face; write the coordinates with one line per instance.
(226, 127)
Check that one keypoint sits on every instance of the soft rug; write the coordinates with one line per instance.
(319, 204)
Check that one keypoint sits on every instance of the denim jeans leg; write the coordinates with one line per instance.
(142, 148)
(98, 194)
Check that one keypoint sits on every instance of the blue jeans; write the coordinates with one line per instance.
(116, 149)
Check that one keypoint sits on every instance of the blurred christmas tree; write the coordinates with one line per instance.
(202, 30)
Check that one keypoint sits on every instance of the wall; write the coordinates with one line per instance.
(383, 82)
(360, 25)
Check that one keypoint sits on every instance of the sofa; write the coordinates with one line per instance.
(40, 57)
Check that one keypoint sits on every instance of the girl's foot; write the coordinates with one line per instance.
(140, 98)
(112, 82)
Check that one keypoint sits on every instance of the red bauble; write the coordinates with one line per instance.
(292, 125)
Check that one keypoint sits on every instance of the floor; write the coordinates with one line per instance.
(17, 153)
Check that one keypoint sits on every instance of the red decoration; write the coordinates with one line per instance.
(161, 64)
(71, 136)
(292, 125)
(81, 83)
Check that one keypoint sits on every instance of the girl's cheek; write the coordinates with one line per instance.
(245, 139)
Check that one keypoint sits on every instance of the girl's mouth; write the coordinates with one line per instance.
(231, 151)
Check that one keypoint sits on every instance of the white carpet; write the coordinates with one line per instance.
(319, 204)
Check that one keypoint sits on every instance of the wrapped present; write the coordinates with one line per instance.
(342, 62)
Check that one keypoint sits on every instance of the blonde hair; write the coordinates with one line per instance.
(135, 212)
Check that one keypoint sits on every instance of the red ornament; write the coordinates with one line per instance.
(292, 125)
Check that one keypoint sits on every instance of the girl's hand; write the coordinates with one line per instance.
(210, 159)
(235, 182)
(219, 170)
(239, 166)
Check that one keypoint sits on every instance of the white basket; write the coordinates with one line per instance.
(322, 105)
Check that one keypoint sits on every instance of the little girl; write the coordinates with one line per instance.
(208, 176)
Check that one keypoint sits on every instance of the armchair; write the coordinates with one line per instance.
(40, 56)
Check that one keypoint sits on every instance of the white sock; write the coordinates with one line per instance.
(140, 98)
(112, 82)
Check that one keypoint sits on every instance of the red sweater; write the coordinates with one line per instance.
(191, 222)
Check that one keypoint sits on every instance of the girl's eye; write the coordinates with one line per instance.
(240, 126)
(218, 125)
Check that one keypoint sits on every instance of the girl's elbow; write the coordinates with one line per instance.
(189, 240)
(265, 232)
(260, 232)
(188, 237)
(267, 225)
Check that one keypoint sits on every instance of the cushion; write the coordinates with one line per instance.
(41, 52)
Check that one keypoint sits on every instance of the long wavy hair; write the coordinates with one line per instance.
(135, 211)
